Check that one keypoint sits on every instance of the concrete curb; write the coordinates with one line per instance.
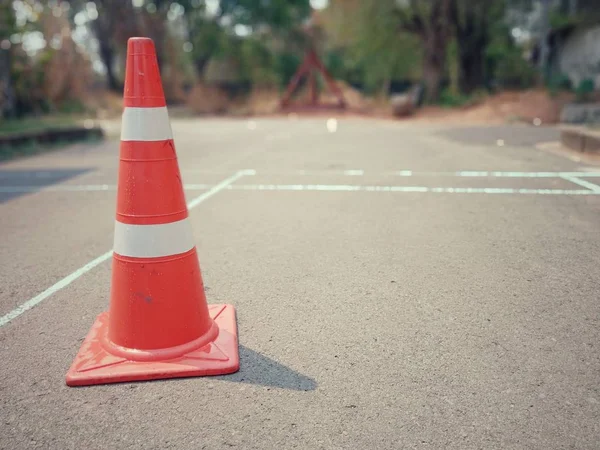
(17, 145)
(580, 139)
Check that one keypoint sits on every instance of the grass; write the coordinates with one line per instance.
(32, 127)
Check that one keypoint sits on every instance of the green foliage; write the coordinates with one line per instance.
(506, 63)
(584, 90)
(286, 64)
(450, 99)
(558, 82)
(257, 63)
(278, 14)
(512, 71)
(260, 59)
(378, 52)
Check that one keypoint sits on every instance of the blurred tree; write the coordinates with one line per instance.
(399, 32)
(430, 20)
(506, 65)
(244, 30)
(473, 22)
(115, 22)
(366, 47)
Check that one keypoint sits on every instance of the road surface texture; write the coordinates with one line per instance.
(396, 286)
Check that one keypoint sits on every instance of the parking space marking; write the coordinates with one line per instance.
(407, 189)
(104, 257)
(584, 183)
(413, 173)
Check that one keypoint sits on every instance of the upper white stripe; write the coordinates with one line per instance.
(146, 124)
(153, 241)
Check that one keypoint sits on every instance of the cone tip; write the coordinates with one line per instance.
(143, 85)
(140, 46)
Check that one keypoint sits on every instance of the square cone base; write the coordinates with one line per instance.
(94, 365)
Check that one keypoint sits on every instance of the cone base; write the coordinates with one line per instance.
(95, 365)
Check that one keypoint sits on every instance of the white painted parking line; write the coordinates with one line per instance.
(584, 183)
(405, 189)
(413, 173)
(592, 189)
(104, 257)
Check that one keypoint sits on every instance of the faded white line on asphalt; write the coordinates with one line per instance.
(360, 172)
(525, 174)
(586, 184)
(405, 189)
(412, 173)
(592, 188)
(100, 259)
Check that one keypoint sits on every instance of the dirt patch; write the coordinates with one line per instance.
(533, 106)
(208, 100)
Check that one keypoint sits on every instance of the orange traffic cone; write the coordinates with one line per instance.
(158, 324)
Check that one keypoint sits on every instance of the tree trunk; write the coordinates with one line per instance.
(434, 35)
(200, 65)
(472, 71)
(434, 62)
(7, 93)
(432, 78)
(107, 54)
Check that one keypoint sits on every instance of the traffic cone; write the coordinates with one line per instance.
(159, 324)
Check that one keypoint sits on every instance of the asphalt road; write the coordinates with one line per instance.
(396, 285)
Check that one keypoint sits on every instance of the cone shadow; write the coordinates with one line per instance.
(261, 370)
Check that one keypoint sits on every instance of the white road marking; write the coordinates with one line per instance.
(412, 173)
(591, 188)
(100, 259)
(405, 189)
(350, 172)
(586, 184)
(497, 174)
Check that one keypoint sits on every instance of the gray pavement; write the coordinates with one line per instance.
(396, 286)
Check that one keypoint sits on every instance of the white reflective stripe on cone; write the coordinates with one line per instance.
(145, 124)
(153, 241)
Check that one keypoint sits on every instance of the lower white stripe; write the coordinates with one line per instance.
(146, 124)
(153, 241)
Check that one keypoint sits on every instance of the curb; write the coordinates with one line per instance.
(17, 145)
(580, 139)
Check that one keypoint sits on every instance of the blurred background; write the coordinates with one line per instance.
(63, 61)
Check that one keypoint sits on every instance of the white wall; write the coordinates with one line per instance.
(580, 56)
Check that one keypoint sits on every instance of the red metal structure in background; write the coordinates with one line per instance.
(311, 65)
